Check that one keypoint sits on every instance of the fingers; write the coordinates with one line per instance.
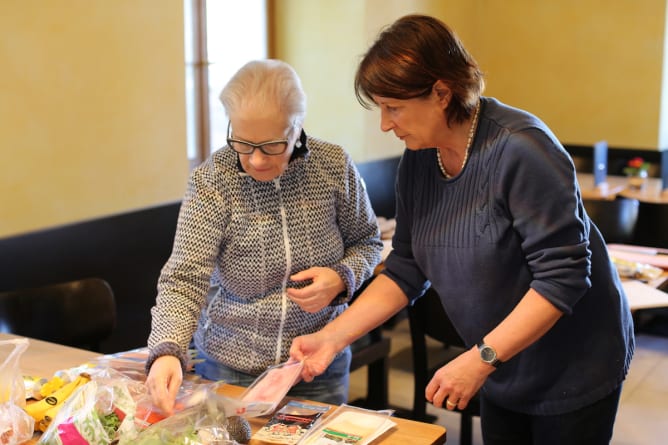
(446, 397)
(313, 352)
(453, 385)
(161, 395)
(451, 402)
(172, 391)
(325, 285)
(165, 404)
(303, 275)
(296, 353)
(163, 382)
(457, 404)
(309, 300)
(312, 368)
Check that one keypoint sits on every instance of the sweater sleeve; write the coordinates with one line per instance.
(360, 232)
(185, 278)
(538, 188)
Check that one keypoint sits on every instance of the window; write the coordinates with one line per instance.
(220, 36)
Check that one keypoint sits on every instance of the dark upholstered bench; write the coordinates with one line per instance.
(126, 249)
(129, 249)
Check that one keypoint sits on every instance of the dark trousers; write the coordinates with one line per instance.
(591, 425)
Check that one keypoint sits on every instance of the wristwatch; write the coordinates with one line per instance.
(488, 355)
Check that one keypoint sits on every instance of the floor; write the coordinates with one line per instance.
(642, 418)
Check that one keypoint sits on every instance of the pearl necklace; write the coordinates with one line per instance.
(474, 123)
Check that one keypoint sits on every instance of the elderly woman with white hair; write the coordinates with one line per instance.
(280, 224)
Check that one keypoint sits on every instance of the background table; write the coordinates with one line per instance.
(618, 186)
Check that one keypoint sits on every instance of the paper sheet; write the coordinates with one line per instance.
(643, 296)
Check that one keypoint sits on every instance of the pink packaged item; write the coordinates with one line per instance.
(271, 386)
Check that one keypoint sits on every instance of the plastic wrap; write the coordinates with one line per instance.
(16, 426)
(97, 413)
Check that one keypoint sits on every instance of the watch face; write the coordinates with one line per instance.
(487, 354)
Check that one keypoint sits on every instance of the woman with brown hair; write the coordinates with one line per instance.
(489, 215)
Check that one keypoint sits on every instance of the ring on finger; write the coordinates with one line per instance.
(449, 403)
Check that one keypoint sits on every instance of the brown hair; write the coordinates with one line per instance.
(407, 59)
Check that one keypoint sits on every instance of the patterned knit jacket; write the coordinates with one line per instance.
(250, 236)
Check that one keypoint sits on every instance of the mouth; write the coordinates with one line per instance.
(262, 170)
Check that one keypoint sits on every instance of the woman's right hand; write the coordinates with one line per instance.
(315, 351)
(163, 382)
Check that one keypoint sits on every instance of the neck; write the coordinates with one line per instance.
(452, 160)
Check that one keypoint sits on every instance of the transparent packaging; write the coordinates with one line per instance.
(350, 425)
(269, 389)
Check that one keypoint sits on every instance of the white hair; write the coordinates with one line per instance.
(268, 86)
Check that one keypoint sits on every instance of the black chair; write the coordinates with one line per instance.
(652, 227)
(428, 319)
(615, 218)
(79, 313)
(372, 350)
(379, 177)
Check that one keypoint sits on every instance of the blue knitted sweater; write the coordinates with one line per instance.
(513, 220)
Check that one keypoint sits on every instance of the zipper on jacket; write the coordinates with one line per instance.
(288, 267)
(209, 303)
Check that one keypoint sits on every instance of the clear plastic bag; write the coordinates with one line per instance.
(190, 394)
(16, 426)
(211, 421)
(97, 413)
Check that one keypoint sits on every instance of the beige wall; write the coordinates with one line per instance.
(592, 69)
(92, 114)
(92, 109)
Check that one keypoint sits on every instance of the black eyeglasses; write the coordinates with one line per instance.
(270, 148)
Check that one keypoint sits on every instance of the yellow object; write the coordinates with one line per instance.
(51, 386)
(33, 385)
(45, 410)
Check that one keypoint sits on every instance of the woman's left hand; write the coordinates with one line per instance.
(455, 384)
(325, 285)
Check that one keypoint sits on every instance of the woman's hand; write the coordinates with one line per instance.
(325, 285)
(455, 384)
(316, 350)
(163, 382)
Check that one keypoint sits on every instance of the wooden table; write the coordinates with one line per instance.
(618, 186)
(43, 359)
(406, 431)
(608, 190)
(643, 295)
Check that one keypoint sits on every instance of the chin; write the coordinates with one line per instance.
(263, 176)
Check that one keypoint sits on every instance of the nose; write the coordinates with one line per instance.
(386, 123)
(257, 158)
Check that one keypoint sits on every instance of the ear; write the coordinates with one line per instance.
(297, 132)
(442, 92)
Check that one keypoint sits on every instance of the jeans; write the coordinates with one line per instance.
(590, 425)
(330, 387)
